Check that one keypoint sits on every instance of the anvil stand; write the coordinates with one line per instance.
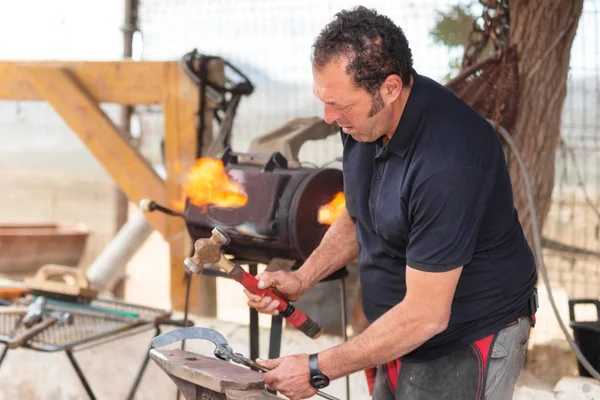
(277, 321)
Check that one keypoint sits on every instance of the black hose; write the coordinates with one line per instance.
(147, 205)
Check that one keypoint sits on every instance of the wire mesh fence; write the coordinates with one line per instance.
(572, 226)
(270, 41)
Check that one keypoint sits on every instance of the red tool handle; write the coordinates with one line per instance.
(286, 309)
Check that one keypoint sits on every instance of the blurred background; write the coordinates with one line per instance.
(270, 42)
(48, 175)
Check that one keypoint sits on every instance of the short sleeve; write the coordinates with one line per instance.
(446, 212)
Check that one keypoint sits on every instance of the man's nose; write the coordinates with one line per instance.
(330, 114)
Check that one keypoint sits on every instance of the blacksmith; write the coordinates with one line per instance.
(446, 273)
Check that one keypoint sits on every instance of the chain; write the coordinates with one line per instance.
(493, 23)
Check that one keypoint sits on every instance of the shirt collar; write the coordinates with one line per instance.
(411, 117)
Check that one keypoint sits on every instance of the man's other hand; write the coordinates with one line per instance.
(289, 375)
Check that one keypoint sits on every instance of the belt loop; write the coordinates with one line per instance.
(533, 306)
(532, 321)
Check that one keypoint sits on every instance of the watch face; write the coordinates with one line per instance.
(319, 381)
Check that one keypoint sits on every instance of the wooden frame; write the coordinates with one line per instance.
(75, 89)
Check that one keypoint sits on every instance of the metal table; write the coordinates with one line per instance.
(88, 331)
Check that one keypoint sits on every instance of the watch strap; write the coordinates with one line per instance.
(313, 364)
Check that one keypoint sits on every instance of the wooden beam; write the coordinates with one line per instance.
(80, 111)
(122, 82)
(181, 121)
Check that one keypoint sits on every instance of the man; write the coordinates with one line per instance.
(446, 273)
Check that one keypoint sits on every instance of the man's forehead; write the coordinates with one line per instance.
(331, 83)
(329, 94)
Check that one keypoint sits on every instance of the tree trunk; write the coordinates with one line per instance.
(543, 31)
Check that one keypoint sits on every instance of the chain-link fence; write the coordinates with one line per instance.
(572, 227)
(270, 41)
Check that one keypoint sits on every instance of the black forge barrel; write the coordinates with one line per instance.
(280, 218)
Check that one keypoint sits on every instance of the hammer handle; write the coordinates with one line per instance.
(294, 316)
(31, 333)
(12, 292)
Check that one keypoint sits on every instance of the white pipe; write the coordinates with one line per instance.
(110, 264)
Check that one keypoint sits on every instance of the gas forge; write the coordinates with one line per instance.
(269, 211)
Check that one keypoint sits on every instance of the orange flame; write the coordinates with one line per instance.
(208, 183)
(330, 211)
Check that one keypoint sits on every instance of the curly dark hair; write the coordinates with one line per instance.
(373, 44)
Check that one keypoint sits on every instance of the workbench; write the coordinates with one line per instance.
(88, 331)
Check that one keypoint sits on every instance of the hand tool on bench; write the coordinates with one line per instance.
(61, 283)
(208, 251)
(50, 318)
(35, 312)
(222, 351)
(92, 310)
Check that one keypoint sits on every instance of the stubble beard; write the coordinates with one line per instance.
(376, 104)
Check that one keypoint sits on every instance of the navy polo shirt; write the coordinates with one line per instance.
(436, 197)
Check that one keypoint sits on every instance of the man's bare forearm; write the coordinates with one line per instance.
(338, 247)
(396, 333)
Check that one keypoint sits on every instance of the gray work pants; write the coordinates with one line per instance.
(462, 375)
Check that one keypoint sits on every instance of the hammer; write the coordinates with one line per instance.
(35, 312)
(208, 251)
(52, 317)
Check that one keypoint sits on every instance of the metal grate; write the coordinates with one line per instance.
(84, 328)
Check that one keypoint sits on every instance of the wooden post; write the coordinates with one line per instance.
(81, 112)
(181, 121)
(122, 202)
(75, 89)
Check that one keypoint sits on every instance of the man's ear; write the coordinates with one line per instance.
(391, 89)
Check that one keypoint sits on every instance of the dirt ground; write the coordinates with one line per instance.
(549, 357)
(111, 368)
(550, 362)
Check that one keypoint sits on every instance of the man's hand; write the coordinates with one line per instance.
(286, 284)
(289, 375)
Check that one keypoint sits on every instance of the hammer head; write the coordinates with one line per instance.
(207, 251)
(35, 312)
(63, 318)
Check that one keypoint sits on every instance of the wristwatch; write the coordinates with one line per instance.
(318, 380)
